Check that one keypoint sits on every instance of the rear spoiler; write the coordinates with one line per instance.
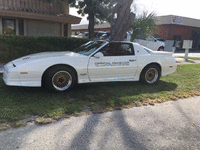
(162, 53)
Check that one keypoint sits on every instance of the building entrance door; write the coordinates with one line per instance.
(196, 39)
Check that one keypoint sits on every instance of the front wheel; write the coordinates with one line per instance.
(150, 74)
(59, 79)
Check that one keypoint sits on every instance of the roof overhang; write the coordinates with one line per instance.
(177, 20)
(62, 18)
(85, 26)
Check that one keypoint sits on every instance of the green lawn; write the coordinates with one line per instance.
(18, 102)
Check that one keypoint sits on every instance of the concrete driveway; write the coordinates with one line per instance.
(170, 125)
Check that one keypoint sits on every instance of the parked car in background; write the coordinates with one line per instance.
(95, 61)
(106, 36)
(159, 39)
(98, 34)
(82, 35)
(152, 43)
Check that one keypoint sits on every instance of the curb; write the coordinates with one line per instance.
(1, 68)
(182, 61)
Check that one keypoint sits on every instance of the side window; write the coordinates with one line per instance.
(118, 49)
(125, 49)
(110, 49)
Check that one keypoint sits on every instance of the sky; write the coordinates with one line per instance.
(182, 8)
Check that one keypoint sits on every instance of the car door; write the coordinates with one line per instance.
(117, 63)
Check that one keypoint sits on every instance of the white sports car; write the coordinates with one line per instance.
(95, 61)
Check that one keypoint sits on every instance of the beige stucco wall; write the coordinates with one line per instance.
(40, 28)
(43, 28)
(65, 7)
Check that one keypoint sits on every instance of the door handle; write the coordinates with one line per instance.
(132, 60)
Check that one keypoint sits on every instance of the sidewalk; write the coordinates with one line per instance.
(168, 125)
(181, 61)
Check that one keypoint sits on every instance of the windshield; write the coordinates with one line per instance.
(89, 48)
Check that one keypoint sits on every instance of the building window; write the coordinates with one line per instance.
(21, 27)
(65, 29)
(9, 26)
(177, 37)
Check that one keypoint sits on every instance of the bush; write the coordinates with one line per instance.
(12, 47)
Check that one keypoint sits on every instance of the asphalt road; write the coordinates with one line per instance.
(169, 125)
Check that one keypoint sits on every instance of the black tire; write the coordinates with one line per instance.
(150, 74)
(60, 79)
(161, 48)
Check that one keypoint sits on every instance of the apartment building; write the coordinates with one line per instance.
(36, 18)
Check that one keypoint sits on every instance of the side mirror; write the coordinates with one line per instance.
(98, 55)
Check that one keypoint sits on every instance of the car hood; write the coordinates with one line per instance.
(44, 55)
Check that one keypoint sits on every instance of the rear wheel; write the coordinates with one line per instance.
(161, 48)
(150, 74)
(59, 79)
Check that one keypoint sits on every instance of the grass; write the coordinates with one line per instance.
(18, 102)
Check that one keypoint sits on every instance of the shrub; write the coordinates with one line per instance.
(12, 47)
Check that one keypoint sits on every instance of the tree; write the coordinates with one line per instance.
(121, 24)
(106, 10)
(143, 25)
(96, 9)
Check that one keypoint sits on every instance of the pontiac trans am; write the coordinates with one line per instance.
(95, 61)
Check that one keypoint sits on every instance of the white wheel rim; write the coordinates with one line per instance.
(151, 75)
(62, 80)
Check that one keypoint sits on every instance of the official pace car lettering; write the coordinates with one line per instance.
(100, 64)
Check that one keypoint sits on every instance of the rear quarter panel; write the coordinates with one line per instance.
(167, 62)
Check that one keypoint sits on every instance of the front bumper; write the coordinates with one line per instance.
(10, 77)
(28, 82)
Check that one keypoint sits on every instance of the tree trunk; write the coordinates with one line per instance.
(121, 24)
(91, 26)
